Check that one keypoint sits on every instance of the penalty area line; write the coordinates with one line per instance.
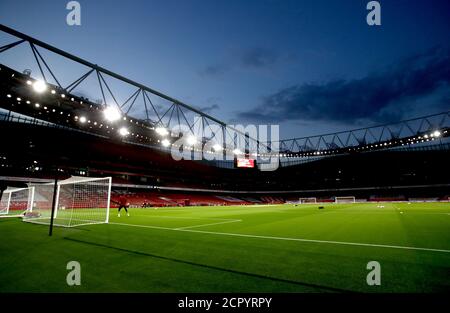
(287, 238)
(186, 217)
(210, 224)
(6, 216)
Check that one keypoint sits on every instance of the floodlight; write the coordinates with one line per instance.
(191, 140)
(39, 86)
(112, 114)
(437, 133)
(165, 143)
(83, 119)
(162, 131)
(217, 147)
(124, 131)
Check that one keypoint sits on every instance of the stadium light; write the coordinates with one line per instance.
(165, 143)
(217, 147)
(162, 131)
(124, 131)
(83, 119)
(191, 140)
(39, 86)
(112, 114)
(437, 133)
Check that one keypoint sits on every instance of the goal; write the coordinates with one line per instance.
(16, 201)
(308, 200)
(350, 199)
(78, 201)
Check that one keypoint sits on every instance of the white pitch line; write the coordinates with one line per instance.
(5, 216)
(202, 225)
(290, 239)
(187, 217)
(259, 205)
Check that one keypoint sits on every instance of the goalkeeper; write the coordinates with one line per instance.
(123, 204)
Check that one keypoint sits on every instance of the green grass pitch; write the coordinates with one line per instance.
(273, 248)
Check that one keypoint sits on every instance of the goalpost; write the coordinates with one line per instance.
(308, 200)
(16, 201)
(79, 201)
(350, 199)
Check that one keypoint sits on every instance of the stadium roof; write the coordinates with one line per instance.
(62, 106)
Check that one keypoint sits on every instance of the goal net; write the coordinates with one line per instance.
(16, 201)
(345, 199)
(308, 200)
(78, 201)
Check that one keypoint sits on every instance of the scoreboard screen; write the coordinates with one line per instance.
(246, 163)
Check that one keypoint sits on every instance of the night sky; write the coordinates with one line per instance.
(310, 66)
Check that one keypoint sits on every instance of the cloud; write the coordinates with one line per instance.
(209, 108)
(258, 58)
(420, 81)
(248, 59)
(211, 105)
(214, 70)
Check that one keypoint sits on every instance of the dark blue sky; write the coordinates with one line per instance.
(310, 66)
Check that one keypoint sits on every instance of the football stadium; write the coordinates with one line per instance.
(146, 193)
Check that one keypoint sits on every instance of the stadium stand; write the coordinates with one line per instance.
(394, 170)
